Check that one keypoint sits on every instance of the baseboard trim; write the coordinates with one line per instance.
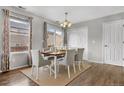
(101, 62)
(96, 61)
(16, 68)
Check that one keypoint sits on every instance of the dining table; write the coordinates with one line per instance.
(55, 55)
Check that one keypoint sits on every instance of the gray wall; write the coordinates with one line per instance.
(95, 35)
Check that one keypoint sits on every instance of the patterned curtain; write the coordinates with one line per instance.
(65, 37)
(30, 46)
(5, 53)
(30, 20)
(45, 35)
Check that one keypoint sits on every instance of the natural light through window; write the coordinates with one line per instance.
(19, 35)
(55, 36)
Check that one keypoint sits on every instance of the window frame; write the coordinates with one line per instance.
(28, 33)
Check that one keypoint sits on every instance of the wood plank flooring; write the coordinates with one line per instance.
(97, 75)
(15, 78)
(100, 75)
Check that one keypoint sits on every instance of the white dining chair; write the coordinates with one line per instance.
(68, 60)
(79, 57)
(38, 61)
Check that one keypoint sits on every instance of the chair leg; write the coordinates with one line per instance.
(69, 72)
(50, 70)
(79, 66)
(32, 70)
(37, 75)
(82, 63)
(74, 67)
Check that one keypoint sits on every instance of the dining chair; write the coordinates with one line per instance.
(79, 57)
(38, 61)
(68, 60)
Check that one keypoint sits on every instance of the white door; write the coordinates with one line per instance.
(113, 42)
(78, 38)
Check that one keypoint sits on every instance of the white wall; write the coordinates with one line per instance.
(95, 35)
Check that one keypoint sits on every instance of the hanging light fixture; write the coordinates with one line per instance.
(66, 24)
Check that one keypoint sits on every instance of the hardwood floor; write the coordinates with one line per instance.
(15, 78)
(98, 74)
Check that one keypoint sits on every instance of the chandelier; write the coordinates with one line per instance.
(66, 24)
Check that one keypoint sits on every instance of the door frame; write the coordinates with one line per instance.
(103, 40)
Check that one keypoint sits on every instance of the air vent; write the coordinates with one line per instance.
(21, 7)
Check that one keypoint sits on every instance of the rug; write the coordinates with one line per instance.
(62, 76)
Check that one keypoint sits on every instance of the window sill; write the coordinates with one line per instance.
(19, 52)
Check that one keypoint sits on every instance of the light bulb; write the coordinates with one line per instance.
(61, 25)
(64, 26)
(69, 25)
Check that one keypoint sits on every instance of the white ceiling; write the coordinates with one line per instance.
(76, 13)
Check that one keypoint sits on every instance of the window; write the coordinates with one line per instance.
(55, 36)
(59, 38)
(19, 34)
(50, 39)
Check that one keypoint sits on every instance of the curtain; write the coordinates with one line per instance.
(5, 46)
(30, 46)
(65, 37)
(30, 20)
(45, 35)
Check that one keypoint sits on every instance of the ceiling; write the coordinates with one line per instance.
(76, 13)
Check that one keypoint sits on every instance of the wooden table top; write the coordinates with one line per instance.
(58, 53)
